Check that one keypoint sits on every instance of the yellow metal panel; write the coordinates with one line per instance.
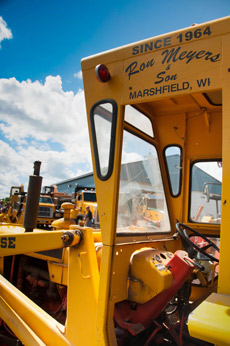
(103, 297)
(224, 268)
(1, 265)
(13, 243)
(210, 321)
(167, 72)
(121, 264)
(83, 285)
(109, 189)
(204, 142)
(58, 272)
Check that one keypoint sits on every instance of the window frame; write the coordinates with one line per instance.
(167, 169)
(112, 138)
(190, 192)
(143, 136)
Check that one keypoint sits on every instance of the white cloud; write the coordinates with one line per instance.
(41, 122)
(78, 75)
(5, 33)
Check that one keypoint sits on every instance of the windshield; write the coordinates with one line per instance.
(90, 197)
(142, 204)
(46, 200)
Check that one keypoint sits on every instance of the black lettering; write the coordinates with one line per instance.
(170, 55)
(11, 242)
(135, 50)
(191, 55)
(185, 85)
(173, 55)
(145, 92)
(172, 77)
(132, 95)
(202, 82)
(167, 88)
(150, 63)
(157, 90)
(159, 76)
(148, 46)
(131, 69)
(3, 242)
(151, 91)
(158, 44)
(183, 55)
(167, 41)
(208, 55)
(207, 31)
(215, 58)
(142, 67)
(173, 87)
(200, 54)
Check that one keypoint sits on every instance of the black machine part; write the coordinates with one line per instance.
(32, 201)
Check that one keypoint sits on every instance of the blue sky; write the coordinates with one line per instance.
(41, 92)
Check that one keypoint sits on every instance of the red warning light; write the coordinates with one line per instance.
(102, 73)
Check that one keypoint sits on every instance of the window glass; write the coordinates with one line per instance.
(205, 195)
(46, 200)
(173, 161)
(90, 197)
(103, 119)
(142, 204)
(138, 120)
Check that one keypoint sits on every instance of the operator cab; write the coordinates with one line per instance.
(171, 147)
(171, 159)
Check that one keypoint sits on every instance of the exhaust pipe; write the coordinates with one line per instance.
(32, 200)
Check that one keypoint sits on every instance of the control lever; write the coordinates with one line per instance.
(195, 263)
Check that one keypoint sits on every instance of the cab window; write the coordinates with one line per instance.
(90, 197)
(46, 200)
(142, 203)
(137, 119)
(103, 117)
(205, 194)
(174, 168)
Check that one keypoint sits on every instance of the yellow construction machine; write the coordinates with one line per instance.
(47, 212)
(158, 114)
(75, 211)
(83, 198)
(14, 212)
